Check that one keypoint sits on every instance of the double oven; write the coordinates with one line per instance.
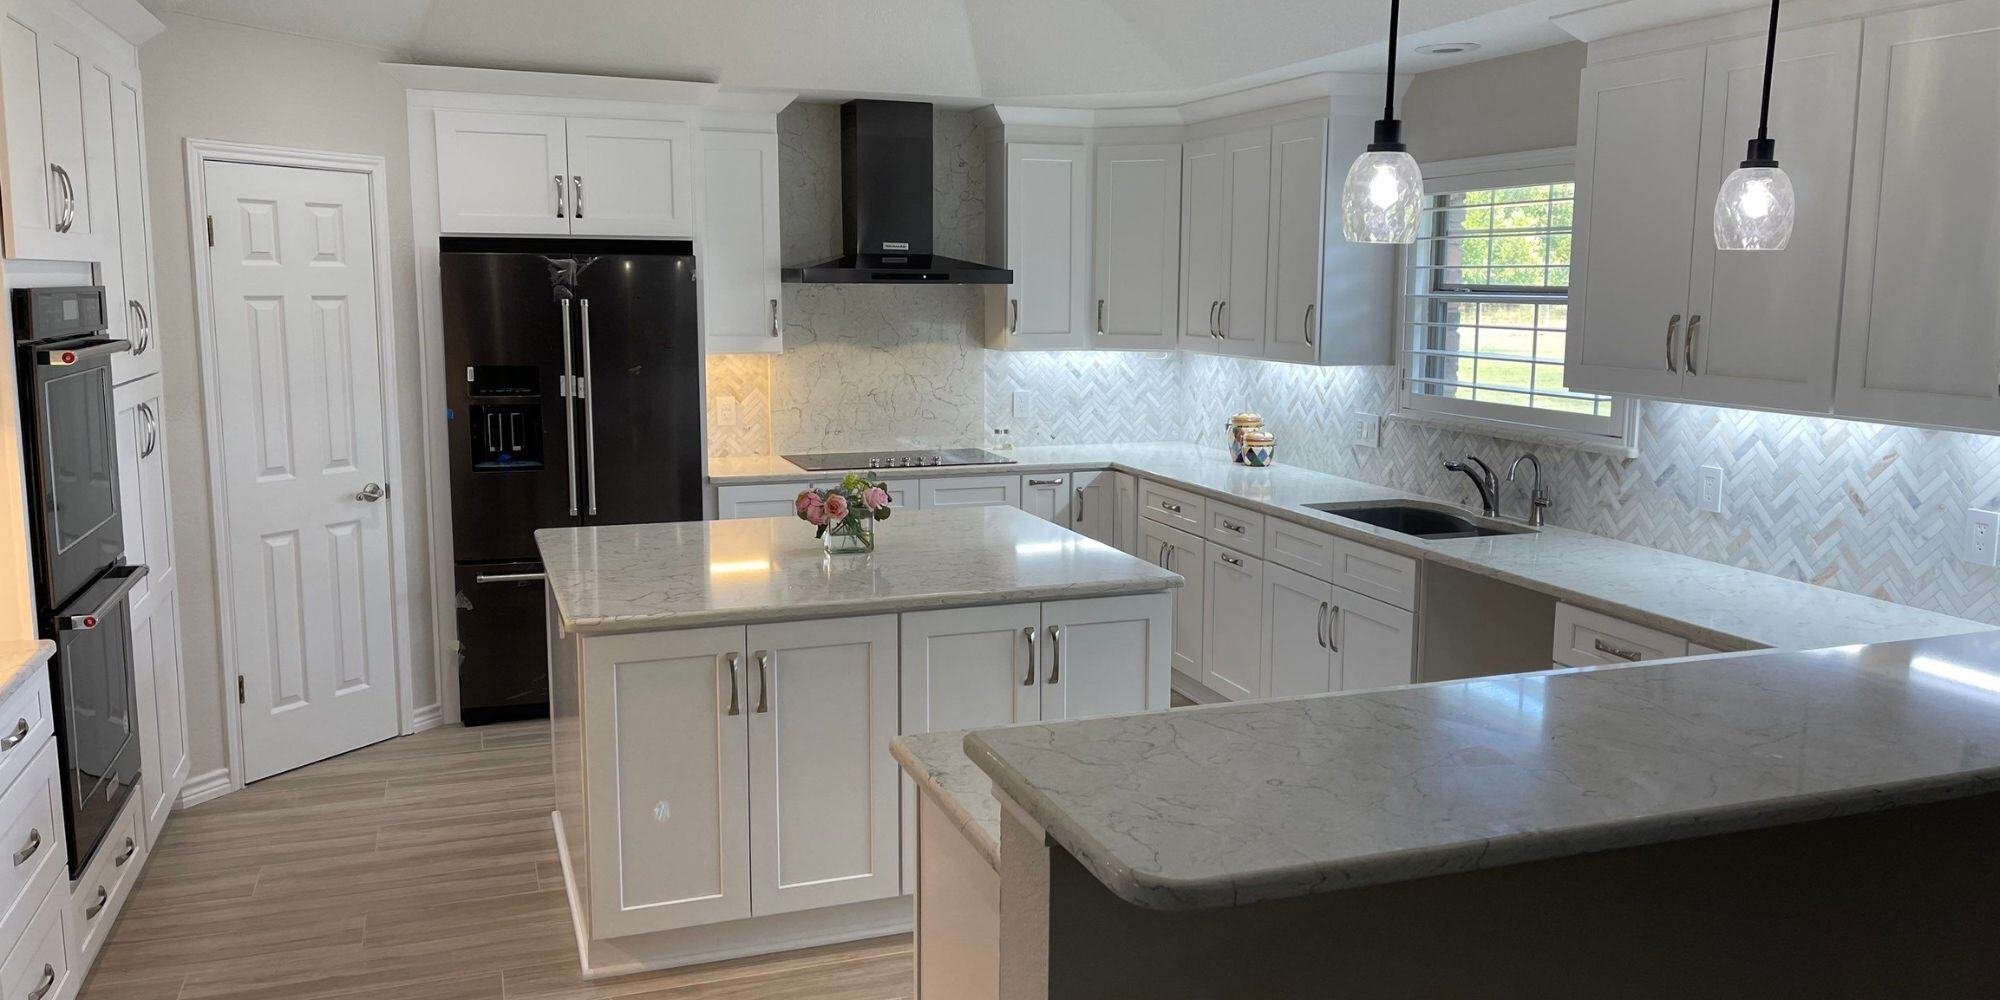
(82, 581)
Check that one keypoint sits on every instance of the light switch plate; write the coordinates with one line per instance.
(725, 411)
(1024, 405)
(1981, 543)
(1710, 497)
(1364, 430)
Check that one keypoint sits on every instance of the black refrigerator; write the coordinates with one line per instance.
(575, 398)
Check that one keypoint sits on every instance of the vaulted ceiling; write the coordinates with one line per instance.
(1100, 51)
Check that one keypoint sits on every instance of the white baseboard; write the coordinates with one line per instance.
(200, 788)
(427, 717)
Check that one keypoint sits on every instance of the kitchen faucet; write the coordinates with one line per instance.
(1538, 498)
(1484, 479)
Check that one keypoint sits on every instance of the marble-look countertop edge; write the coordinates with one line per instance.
(1158, 892)
(18, 662)
(923, 772)
(1439, 552)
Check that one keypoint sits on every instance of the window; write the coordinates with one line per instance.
(1486, 304)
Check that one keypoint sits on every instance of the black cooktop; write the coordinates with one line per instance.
(925, 459)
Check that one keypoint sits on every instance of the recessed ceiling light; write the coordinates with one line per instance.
(1447, 48)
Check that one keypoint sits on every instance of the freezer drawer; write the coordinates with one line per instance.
(502, 643)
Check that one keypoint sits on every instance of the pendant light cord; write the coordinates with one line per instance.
(1395, 10)
(1770, 57)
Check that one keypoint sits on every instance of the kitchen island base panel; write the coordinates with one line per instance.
(1892, 903)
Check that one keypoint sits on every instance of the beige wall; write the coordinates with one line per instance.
(208, 80)
(1504, 105)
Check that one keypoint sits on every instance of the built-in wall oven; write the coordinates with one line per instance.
(63, 359)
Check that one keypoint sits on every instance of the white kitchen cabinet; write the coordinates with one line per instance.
(520, 174)
(970, 491)
(1586, 638)
(1179, 551)
(1105, 656)
(1093, 506)
(970, 668)
(1233, 659)
(1136, 247)
(822, 703)
(132, 310)
(1297, 659)
(1204, 239)
(1298, 234)
(1919, 342)
(99, 892)
(1244, 312)
(44, 958)
(142, 483)
(1374, 644)
(1046, 495)
(57, 87)
(1128, 512)
(669, 846)
(1039, 227)
(161, 705)
(738, 244)
(777, 499)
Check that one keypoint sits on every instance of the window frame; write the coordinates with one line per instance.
(1616, 432)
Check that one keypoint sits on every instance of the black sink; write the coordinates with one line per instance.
(1419, 521)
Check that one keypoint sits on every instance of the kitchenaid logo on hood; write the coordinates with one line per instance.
(886, 247)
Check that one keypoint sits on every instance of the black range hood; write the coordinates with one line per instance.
(885, 205)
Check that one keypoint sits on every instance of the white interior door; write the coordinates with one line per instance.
(299, 445)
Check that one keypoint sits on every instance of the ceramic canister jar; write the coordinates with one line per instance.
(1257, 444)
(1239, 425)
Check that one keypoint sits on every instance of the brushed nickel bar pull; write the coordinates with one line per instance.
(1309, 322)
(1055, 654)
(125, 857)
(1673, 328)
(763, 680)
(776, 331)
(47, 983)
(13, 739)
(734, 661)
(589, 407)
(1232, 560)
(576, 203)
(509, 577)
(1321, 627)
(1333, 627)
(1694, 333)
(568, 392)
(1034, 656)
(28, 849)
(97, 905)
(1628, 655)
(561, 191)
(1100, 317)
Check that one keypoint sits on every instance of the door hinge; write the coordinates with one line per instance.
(241, 697)
(211, 230)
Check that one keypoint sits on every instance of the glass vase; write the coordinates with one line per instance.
(850, 536)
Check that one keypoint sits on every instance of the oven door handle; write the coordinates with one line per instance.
(121, 580)
(64, 353)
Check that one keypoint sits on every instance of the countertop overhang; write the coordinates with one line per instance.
(647, 577)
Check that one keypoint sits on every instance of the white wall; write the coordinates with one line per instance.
(1504, 105)
(208, 80)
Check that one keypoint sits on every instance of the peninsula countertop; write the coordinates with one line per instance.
(1233, 804)
(1720, 606)
(646, 577)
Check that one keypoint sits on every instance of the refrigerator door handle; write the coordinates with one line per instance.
(589, 413)
(569, 408)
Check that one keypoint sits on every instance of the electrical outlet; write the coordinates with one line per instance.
(1364, 430)
(1710, 498)
(1024, 405)
(1982, 528)
(725, 411)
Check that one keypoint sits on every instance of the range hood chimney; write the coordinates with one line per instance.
(885, 205)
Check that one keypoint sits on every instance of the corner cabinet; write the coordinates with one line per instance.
(533, 175)
(1039, 227)
(738, 244)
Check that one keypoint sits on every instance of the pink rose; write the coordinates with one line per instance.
(811, 507)
(836, 507)
(874, 498)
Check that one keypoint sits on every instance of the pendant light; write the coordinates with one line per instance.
(1384, 193)
(1755, 208)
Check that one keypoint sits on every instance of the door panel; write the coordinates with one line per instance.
(308, 570)
(32, 191)
(1204, 240)
(1296, 660)
(970, 491)
(165, 771)
(1245, 293)
(631, 178)
(500, 173)
(1374, 644)
(134, 262)
(640, 355)
(1048, 244)
(740, 248)
(1181, 552)
(1107, 656)
(1298, 167)
(824, 827)
(1138, 239)
(1047, 497)
(1235, 655)
(1093, 506)
(142, 485)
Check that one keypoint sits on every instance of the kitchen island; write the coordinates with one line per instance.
(724, 694)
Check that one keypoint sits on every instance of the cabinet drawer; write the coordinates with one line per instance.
(39, 966)
(25, 724)
(97, 897)
(31, 844)
(1177, 507)
(1242, 530)
(970, 491)
(1371, 572)
(1300, 548)
(1588, 639)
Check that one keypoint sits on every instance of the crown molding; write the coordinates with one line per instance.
(518, 83)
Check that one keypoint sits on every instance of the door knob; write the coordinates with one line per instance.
(372, 492)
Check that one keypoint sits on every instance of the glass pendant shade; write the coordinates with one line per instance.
(1755, 209)
(1383, 198)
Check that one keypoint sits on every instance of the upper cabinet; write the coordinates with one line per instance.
(1136, 255)
(738, 246)
(1039, 227)
(530, 175)
(1226, 219)
(132, 269)
(58, 95)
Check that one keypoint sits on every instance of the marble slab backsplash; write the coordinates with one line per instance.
(1867, 508)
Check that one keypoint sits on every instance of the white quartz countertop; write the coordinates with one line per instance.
(20, 660)
(1233, 804)
(642, 577)
(938, 764)
(1720, 606)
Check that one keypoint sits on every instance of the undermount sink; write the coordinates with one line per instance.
(1429, 521)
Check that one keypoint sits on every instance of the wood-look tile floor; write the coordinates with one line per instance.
(421, 868)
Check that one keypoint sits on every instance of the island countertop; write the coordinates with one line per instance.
(646, 577)
(1239, 803)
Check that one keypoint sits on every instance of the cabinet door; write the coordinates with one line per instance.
(142, 482)
(1769, 322)
(1298, 189)
(1047, 496)
(759, 500)
(1181, 552)
(1638, 149)
(1297, 660)
(1245, 311)
(134, 261)
(669, 845)
(32, 190)
(95, 229)
(1106, 656)
(1919, 342)
(739, 249)
(502, 173)
(1093, 506)
(1137, 247)
(824, 826)
(1235, 611)
(631, 178)
(1374, 644)
(969, 668)
(162, 710)
(44, 71)
(1048, 246)
(971, 491)
(1127, 512)
(1204, 240)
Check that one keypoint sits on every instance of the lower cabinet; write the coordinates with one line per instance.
(1319, 638)
(1127, 486)
(1233, 662)
(162, 706)
(971, 491)
(1093, 506)
(1047, 496)
(1180, 551)
(776, 499)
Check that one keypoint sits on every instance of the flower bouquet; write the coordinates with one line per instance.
(846, 514)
